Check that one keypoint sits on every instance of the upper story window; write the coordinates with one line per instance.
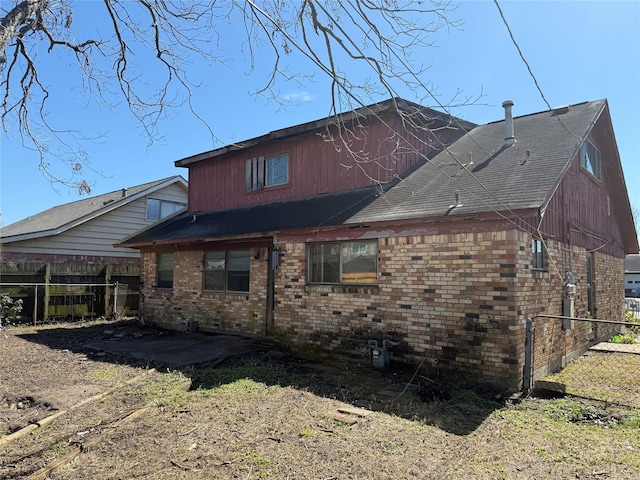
(157, 209)
(267, 172)
(537, 254)
(343, 262)
(590, 159)
(164, 269)
(227, 271)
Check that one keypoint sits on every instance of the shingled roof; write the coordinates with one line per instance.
(257, 220)
(487, 175)
(63, 217)
(632, 264)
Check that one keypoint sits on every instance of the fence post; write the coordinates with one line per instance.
(47, 293)
(35, 304)
(115, 301)
(528, 354)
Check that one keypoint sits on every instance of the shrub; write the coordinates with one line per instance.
(9, 308)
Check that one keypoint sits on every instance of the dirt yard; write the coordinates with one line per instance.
(277, 416)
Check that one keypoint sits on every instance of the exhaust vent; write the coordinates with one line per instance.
(509, 138)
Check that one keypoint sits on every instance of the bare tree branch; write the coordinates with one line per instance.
(363, 47)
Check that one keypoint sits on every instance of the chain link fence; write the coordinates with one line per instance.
(64, 301)
(589, 358)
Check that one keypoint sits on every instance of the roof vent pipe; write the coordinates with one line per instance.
(124, 192)
(509, 138)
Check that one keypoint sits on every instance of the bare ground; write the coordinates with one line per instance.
(276, 415)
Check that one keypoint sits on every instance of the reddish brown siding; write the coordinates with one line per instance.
(582, 211)
(315, 166)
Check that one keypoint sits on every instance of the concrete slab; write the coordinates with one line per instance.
(181, 349)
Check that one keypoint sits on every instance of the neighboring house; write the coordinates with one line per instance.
(420, 228)
(632, 276)
(73, 243)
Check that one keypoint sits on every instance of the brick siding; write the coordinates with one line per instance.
(187, 306)
(460, 300)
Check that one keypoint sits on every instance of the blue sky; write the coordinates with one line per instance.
(578, 50)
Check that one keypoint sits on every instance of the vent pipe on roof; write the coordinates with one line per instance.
(124, 192)
(509, 138)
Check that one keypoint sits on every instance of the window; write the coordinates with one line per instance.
(267, 172)
(227, 271)
(343, 262)
(157, 209)
(590, 158)
(164, 270)
(537, 254)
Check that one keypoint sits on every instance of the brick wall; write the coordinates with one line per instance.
(446, 298)
(187, 306)
(458, 299)
(557, 342)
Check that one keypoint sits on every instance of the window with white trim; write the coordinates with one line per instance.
(267, 172)
(590, 159)
(227, 270)
(158, 209)
(354, 263)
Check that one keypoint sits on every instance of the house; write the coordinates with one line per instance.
(632, 276)
(396, 222)
(73, 243)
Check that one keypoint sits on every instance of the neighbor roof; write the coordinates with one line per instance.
(632, 264)
(63, 217)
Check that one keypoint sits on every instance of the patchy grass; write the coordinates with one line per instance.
(274, 416)
(606, 376)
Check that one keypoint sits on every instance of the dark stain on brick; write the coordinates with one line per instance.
(471, 315)
(429, 290)
(507, 265)
(385, 274)
(376, 319)
(372, 307)
(295, 280)
(325, 294)
(500, 298)
(464, 257)
(298, 296)
(416, 257)
(337, 312)
(362, 315)
(508, 275)
(486, 307)
(287, 286)
(449, 352)
(472, 327)
(406, 306)
(500, 289)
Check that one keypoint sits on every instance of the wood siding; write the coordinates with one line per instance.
(316, 166)
(96, 237)
(584, 211)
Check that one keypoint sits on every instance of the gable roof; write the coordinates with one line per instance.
(487, 174)
(418, 113)
(63, 217)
